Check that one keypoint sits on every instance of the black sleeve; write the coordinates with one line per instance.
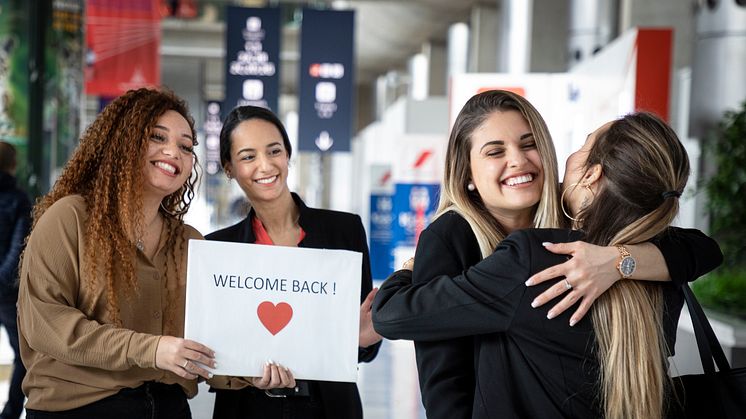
(482, 300)
(19, 231)
(445, 367)
(369, 353)
(689, 253)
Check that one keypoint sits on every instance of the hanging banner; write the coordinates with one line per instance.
(381, 216)
(296, 306)
(122, 46)
(252, 57)
(326, 80)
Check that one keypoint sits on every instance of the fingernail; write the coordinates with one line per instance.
(529, 282)
(286, 369)
(572, 322)
(270, 361)
(209, 375)
(550, 315)
(545, 244)
(534, 304)
(214, 364)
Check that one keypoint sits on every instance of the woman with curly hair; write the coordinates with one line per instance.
(102, 283)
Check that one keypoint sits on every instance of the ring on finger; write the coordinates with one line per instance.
(568, 285)
(186, 362)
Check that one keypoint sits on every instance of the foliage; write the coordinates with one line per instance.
(725, 289)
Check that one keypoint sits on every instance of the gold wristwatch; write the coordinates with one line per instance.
(627, 263)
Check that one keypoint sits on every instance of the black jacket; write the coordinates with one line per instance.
(324, 229)
(446, 368)
(528, 366)
(15, 221)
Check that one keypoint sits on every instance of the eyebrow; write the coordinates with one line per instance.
(247, 149)
(185, 135)
(501, 142)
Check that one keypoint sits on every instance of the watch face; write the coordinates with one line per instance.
(627, 266)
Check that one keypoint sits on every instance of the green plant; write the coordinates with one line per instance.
(725, 289)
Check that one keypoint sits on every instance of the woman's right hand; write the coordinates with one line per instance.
(183, 357)
(275, 376)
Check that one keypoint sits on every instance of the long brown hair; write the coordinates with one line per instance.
(106, 170)
(641, 159)
(454, 195)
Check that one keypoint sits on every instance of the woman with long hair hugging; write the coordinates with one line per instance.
(621, 188)
(500, 176)
(102, 283)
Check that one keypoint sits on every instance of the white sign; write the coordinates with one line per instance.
(298, 307)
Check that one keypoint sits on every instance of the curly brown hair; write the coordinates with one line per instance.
(106, 170)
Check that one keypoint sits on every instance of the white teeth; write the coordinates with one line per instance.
(519, 179)
(165, 166)
(267, 180)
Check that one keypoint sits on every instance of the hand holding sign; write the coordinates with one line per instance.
(275, 376)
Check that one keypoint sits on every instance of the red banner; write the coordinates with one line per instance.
(122, 46)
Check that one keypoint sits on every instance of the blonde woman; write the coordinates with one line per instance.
(500, 176)
(621, 187)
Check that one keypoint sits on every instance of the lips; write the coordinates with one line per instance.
(266, 180)
(518, 180)
(167, 167)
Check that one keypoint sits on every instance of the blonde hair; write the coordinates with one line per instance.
(641, 158)
(454, 195)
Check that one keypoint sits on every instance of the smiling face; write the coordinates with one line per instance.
(169, 159)
(258, 160)
(505, 166)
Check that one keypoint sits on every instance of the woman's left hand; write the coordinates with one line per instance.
(588, 273)
(368, 335)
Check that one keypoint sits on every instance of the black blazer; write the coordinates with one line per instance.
(446, 368)
(324, 229)
(528, 366)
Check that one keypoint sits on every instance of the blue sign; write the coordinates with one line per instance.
(326, 80)
(414, 206)
(381, 249)
(252, 57)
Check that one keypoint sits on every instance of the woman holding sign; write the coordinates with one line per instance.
(622, 186)
(255, 151)
(102, 282)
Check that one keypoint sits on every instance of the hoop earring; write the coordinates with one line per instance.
(470, 186)
(562, 202)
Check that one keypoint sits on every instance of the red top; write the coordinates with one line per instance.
(262, 237)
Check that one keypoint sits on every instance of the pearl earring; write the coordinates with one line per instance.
(470, 186)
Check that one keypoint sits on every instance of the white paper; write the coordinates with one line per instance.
(230, 285)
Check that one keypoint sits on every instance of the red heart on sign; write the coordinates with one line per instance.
(274, 317)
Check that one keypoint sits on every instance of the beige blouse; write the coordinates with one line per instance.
(72, 355)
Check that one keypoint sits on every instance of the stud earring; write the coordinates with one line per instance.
(470, 186)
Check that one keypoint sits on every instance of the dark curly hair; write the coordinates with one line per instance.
(106, 170)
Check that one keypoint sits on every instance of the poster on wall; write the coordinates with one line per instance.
(327, 73)
(64, 86)
(252, 57)
(295, 306)
(13, 75)
(122, 46)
